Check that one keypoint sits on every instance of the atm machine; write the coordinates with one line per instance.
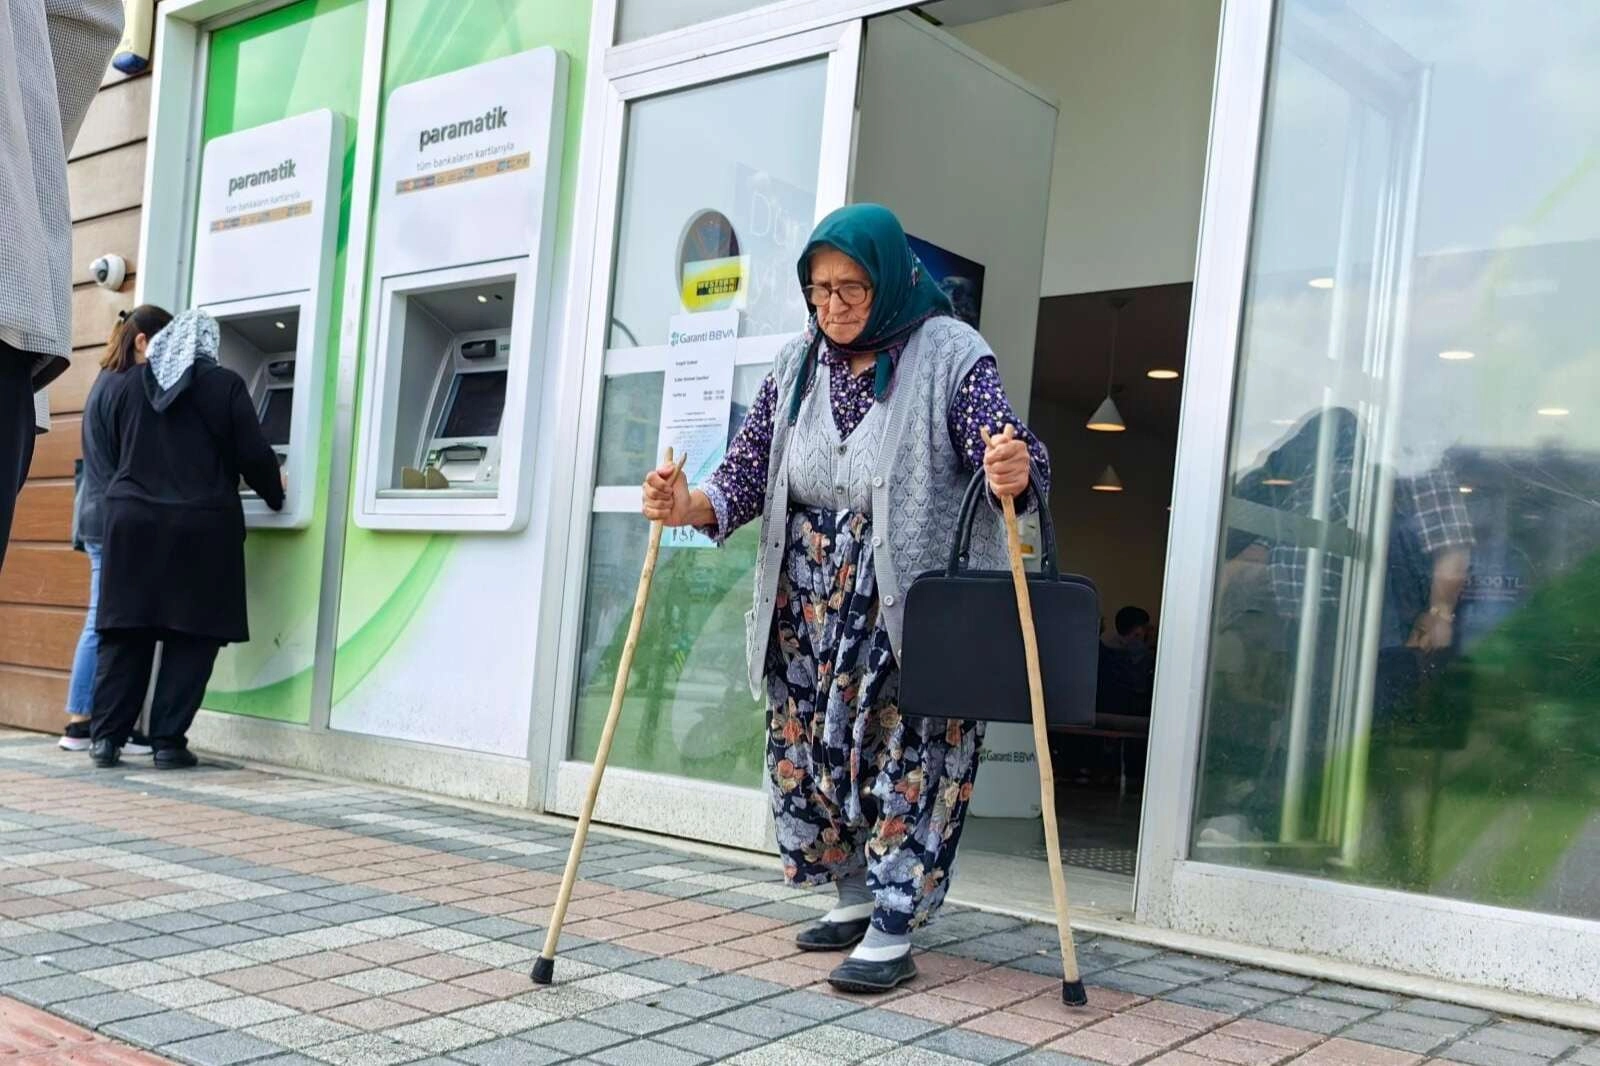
(264, 255)
(459, 326)
(464, 445)
(455, 360)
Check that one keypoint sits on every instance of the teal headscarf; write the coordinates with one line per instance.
(904, 296)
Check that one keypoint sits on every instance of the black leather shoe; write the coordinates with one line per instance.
(175, 759)
(832, 936)
(105, 754)
(858, 975)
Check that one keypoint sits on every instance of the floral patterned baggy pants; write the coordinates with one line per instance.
(853, 782)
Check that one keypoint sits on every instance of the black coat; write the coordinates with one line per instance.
(173, 553)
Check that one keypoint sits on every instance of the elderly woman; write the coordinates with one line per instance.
(855, 456)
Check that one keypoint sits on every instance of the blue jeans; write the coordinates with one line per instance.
(80, 691)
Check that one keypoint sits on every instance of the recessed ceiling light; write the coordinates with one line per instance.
(1161, 375)
(1466, 490)
(482, 298)
(1278, 482)
(1321, 283)
(280, 325)
(1554, 412)
(1457, 355)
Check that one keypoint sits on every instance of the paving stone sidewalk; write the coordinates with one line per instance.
(224, 916)
(30, 1037)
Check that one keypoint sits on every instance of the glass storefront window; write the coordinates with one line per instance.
(1404, 647)
(711, 172)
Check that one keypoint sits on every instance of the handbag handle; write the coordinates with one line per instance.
(961, 548)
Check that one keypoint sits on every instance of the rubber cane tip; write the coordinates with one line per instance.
(1073, 993)
(544, 970)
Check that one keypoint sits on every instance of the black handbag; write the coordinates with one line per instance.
(961, 647)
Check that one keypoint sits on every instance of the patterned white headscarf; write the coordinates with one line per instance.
(190, 337)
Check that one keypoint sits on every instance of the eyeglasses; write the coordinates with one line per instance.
(850, 293)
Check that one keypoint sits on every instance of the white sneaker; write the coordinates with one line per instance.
(133, 747)
(67, 743)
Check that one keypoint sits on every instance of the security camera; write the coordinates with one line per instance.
(109, 271)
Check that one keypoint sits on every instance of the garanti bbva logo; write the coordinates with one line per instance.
(282, 172)
(724, 334)
(493, 119)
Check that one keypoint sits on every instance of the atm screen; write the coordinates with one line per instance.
(276, 415)
(476, 403)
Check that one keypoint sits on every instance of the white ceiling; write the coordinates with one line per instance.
(961, 12)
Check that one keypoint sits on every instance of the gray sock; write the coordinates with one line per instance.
(878, 946)
(855, 899)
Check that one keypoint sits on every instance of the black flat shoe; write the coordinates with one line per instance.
(105, 754)
(858, 975)
(832, 936)
(175, 759)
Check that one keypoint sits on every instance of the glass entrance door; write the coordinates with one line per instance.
(1306, 522)
(724, 166)
(1397, 689)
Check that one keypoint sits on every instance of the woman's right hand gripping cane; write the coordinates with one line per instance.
(669, 500)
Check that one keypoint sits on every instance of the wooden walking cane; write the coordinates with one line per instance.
(1072, 990)
(544, 967)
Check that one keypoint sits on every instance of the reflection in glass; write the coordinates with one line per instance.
(744, 152)
(1405, 654)
(688, 710)
(697, 689)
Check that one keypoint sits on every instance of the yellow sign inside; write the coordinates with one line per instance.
(715, 284)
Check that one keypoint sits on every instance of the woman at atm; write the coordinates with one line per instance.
(864, 798)
(125, 352)
(178, 433)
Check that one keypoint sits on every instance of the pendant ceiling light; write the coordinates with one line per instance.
(1106, 417)
(1108, 481)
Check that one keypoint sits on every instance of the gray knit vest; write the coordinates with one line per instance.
(830, 472)
(917, 480)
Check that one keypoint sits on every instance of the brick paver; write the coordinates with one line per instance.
(31, 1037)
(224, 916)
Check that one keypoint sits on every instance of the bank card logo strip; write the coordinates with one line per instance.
(261, 218)
(472, 172)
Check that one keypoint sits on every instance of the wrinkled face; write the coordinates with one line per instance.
(840, 322)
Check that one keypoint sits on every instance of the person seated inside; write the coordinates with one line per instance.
(1127, 665)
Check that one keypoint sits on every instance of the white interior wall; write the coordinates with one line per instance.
(962, 155)
(1133, 79)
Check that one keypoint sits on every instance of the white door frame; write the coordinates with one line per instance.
(1200, 470)
(678, 805)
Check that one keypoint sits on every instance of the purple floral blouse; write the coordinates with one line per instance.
(737, 488)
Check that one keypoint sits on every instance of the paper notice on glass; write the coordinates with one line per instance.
(696, 400)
